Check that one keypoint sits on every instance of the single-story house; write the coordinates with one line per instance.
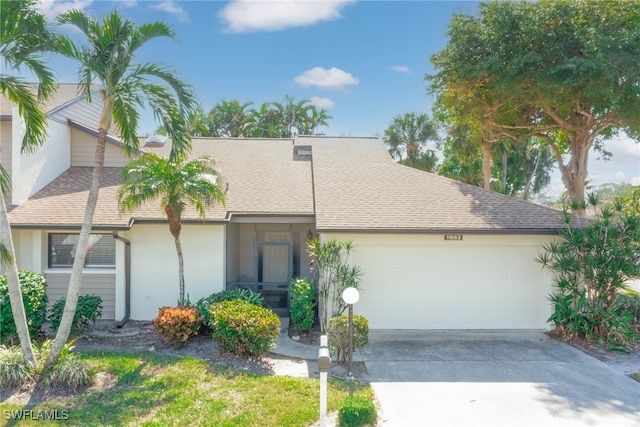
(435, 253)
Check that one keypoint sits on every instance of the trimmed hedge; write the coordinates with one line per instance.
(244, 329)
(357, 411)
(204, 304)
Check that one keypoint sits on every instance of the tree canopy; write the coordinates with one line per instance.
(407, 137)
(565, 71)
(233, 119)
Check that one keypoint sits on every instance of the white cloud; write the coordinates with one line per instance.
(173, 9)
(332, 78)
(401, 69)
(51, 9)
(243, 16)
(127, 3)
(624, 148)
(325, 103)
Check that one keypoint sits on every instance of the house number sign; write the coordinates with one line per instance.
(453, 237)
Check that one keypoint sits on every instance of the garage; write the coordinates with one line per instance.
(468, 281)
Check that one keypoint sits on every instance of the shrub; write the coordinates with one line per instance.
(177, 324)
(334, 273)
(244, 329)
(338, 334)
(630, 303)
(203, 304)
(591, 265)
(357, 411)
(89, 308)
(68, 371)
(13, 369)
(34, 295)
(302, 294)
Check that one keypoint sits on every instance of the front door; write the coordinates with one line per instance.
(274, 262)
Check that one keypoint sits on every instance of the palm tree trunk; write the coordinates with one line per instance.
(180, 268)
(15, 294)
(81, 251)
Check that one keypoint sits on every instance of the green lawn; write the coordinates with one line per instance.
(156, 390)
(635, 376)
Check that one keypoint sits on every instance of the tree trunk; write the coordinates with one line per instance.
(486, 163)
(81, 251)
(175, 226)
(13, 283)
(527, 185)
(574, 174)
(180, 268)
(503, 172)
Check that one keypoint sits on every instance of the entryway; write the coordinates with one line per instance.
(264, 257)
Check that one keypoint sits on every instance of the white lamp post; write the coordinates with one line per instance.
(350, 296)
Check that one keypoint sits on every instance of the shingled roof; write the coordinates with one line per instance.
(349, 184)
(358, 186)
(65, 93)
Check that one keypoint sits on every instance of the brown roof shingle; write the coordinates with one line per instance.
(66, 92)
(261, 175)
(355, 184)
(358, 186)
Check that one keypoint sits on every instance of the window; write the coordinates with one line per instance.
(101, 251)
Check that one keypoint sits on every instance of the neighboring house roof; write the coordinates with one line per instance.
(350, 184)
(65, 93)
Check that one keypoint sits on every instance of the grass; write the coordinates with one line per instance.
(157, 390)
(636, 376)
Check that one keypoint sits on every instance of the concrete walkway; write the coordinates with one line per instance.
(487, 379)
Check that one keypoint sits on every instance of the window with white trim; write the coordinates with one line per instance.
(101, 251)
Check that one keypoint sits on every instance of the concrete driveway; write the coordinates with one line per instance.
(494, 379)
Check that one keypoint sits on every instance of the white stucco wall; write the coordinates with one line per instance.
(32, 171)
(413, 281)
(154, 265)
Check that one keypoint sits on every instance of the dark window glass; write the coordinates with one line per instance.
(101, 251)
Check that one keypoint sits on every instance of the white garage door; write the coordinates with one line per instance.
(425, 282)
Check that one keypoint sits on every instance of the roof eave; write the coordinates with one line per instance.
(511, 231)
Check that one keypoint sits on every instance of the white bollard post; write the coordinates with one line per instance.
(324, 365)
(323, 399)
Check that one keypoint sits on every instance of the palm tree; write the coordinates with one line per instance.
(407, 136)
(176, 183)
(230, 119)
(265, 122)
(315, 118)
(107, 59)
(23, 38)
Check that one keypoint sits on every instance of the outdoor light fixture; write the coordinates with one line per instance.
(310, 235)
(350, 296)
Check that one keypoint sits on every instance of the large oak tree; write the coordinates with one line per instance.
(565, 71)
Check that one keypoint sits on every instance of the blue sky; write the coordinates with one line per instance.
(363, 61)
